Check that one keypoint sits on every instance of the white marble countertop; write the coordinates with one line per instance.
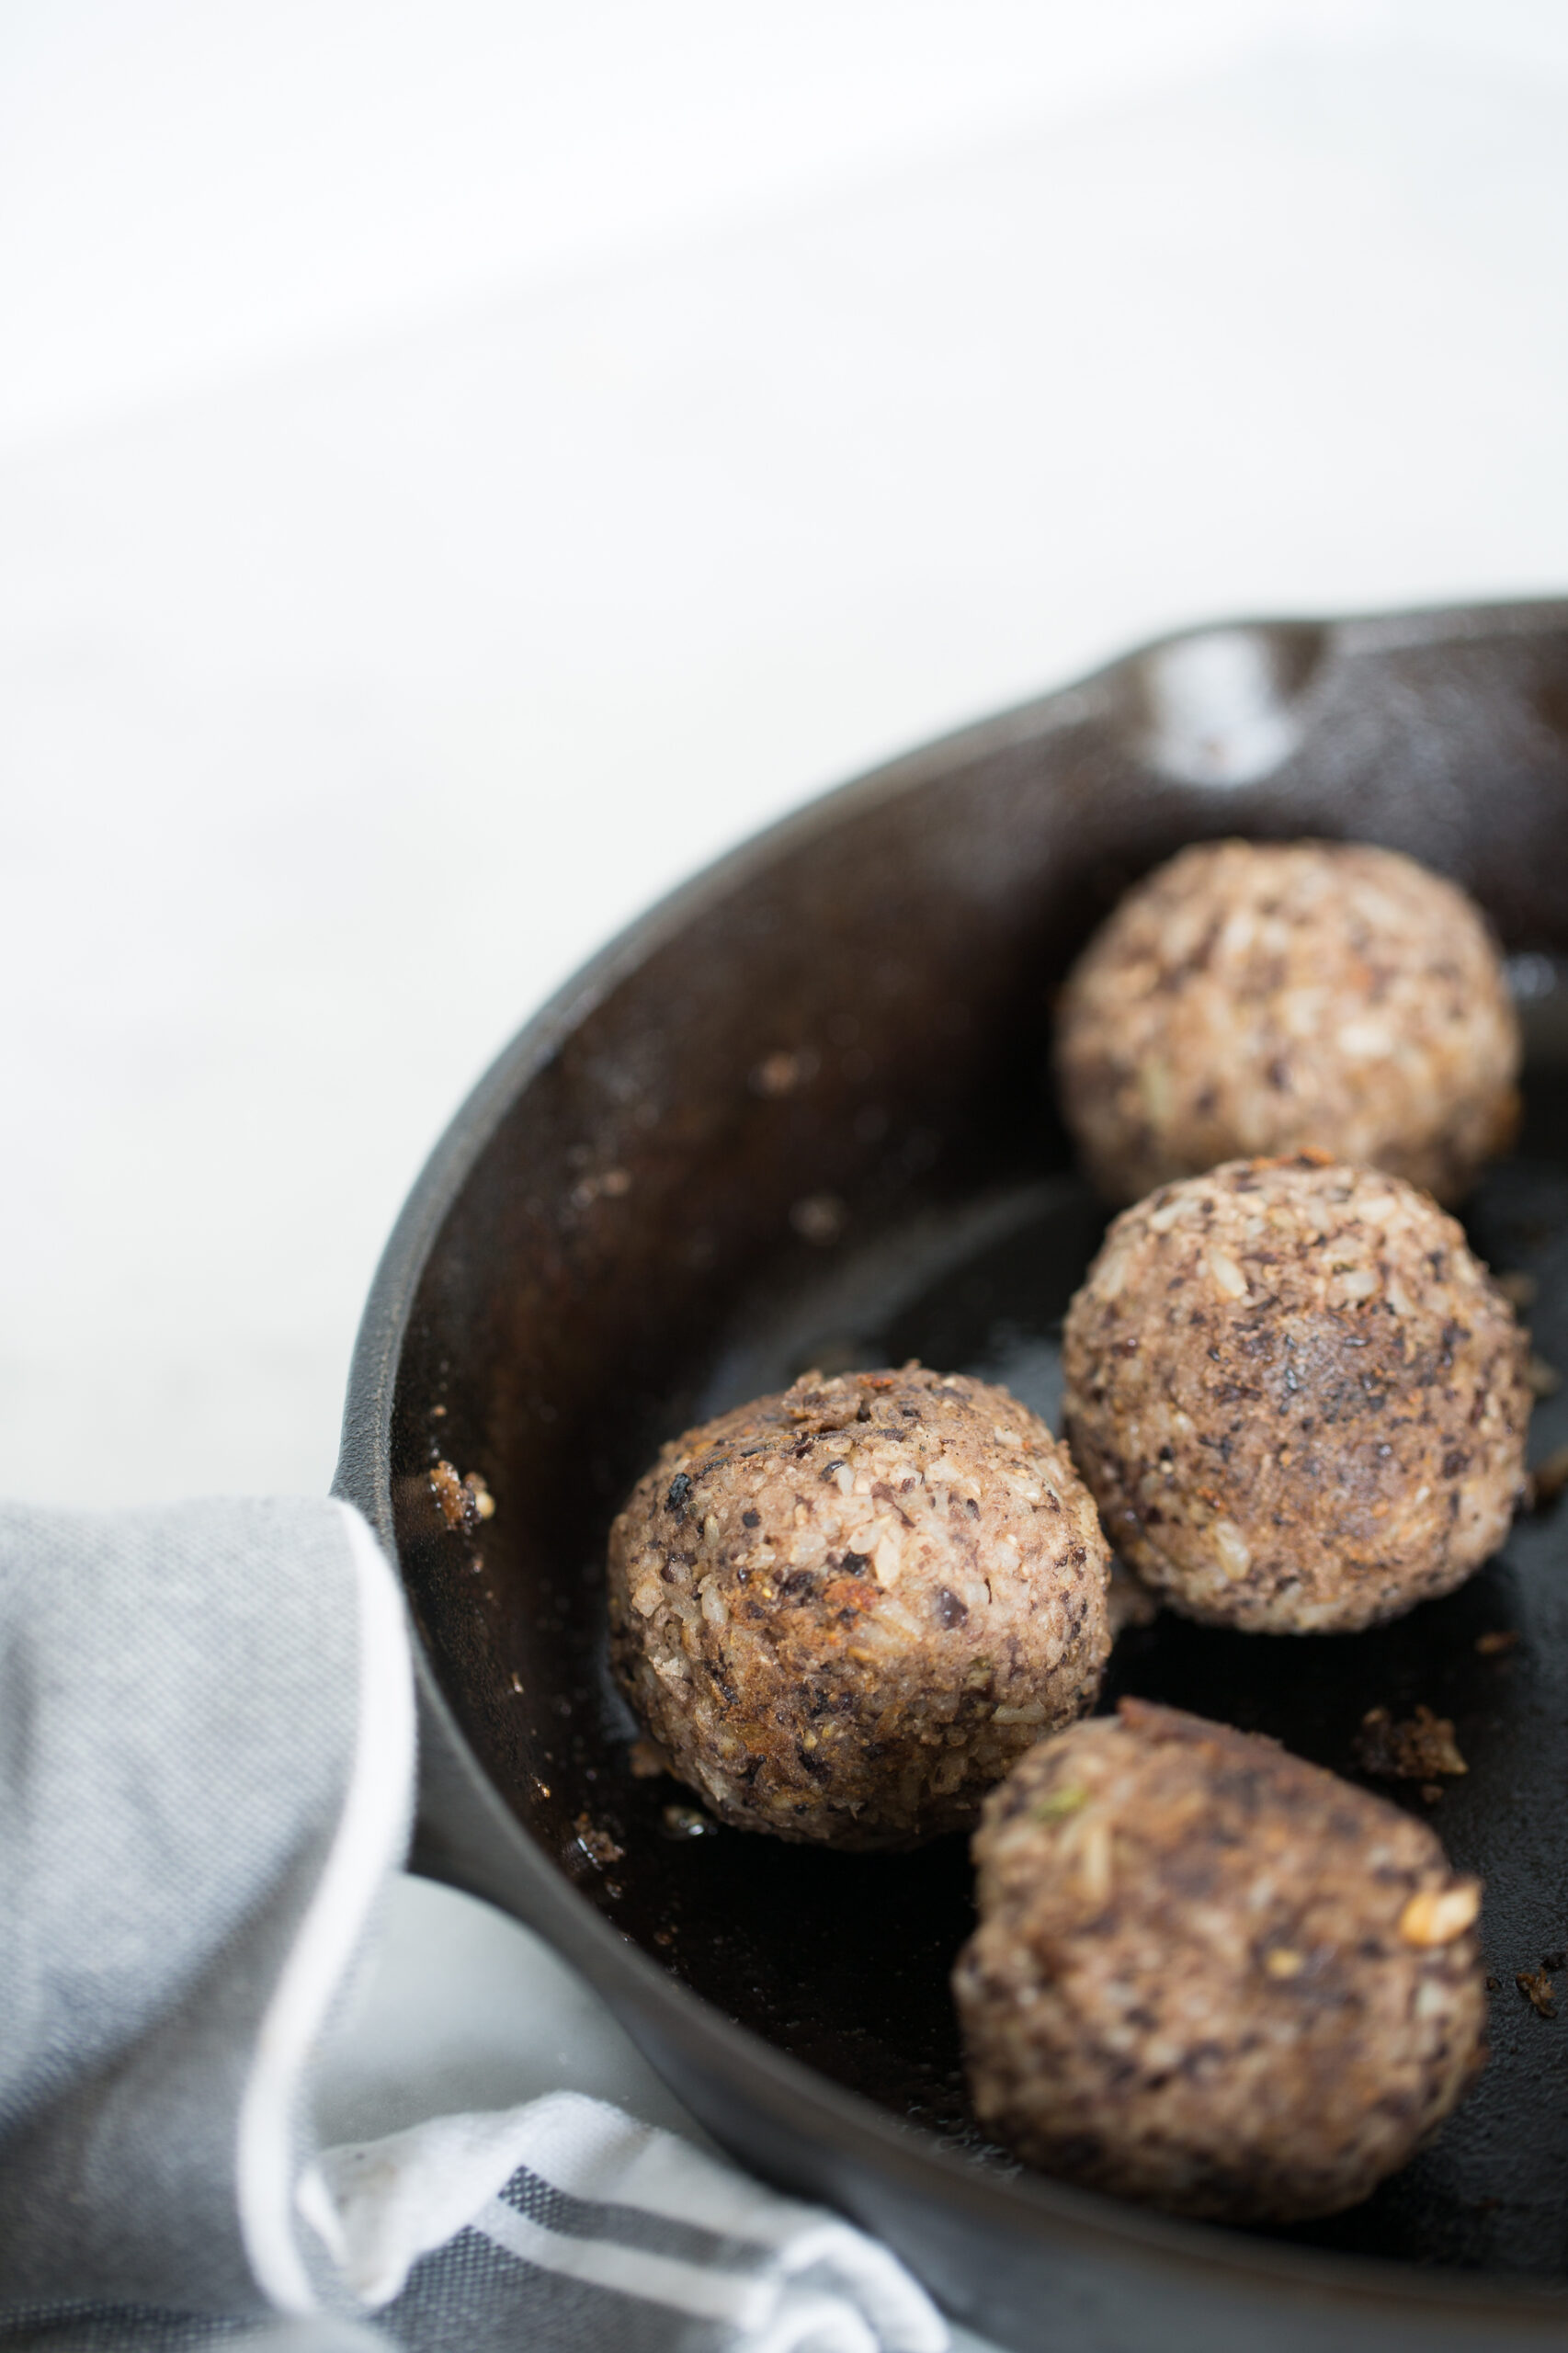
(402, 581)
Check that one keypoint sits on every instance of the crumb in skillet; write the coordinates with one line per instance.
(597, 1845)
(449, 1493)
(1413, 1749)
(820, 1218)
(687, 1822)
(464, 1503)
(1538, 1989)
(783, 1071)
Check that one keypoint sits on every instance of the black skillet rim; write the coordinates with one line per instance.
(470, 1839)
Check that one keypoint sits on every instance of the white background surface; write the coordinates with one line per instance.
(462, 464)
(844, 370)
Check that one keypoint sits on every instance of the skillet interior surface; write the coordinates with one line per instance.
(801, 1116)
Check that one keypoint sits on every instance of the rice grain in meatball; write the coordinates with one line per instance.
(1260, 996)
(1211, 1977)
(843, 1612)
(1297, 1397)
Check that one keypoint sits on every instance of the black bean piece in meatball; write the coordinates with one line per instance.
(844, 1611)
(1211, 1977)
(1260, 996)
(1297, 1399)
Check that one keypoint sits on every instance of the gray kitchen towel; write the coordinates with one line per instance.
(206, 1769)
(206, 1777)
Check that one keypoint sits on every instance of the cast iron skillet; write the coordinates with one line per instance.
(797, 1115)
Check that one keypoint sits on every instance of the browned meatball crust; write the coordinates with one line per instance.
(844, 1611)
(1297, 1397)
(1211, 1977)
(1260, 996)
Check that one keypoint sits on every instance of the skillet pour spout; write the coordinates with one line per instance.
(799, 1115)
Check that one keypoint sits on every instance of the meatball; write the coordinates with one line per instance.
(1260, 996)
(844, 1613)
(1297, 1399)
(1213, 1977)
